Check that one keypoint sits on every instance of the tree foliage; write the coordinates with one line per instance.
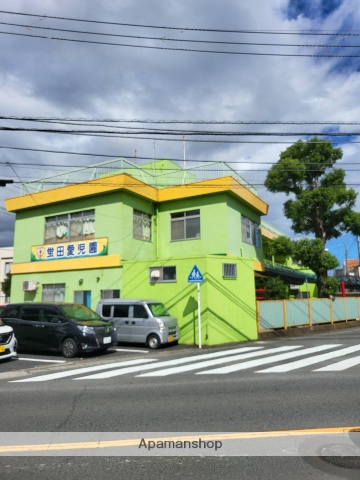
(331, 287)
(320, 205)
(276, 289)
(281, 247)
(6, 285)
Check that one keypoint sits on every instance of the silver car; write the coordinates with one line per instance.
(140, 321)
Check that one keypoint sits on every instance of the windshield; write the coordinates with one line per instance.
(158, 310)
(80, 312)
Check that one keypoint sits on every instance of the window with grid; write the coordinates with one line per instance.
(185, 225)
(54, 292)
(141, 225)
(250, 232)
(108, 294)
(70, 227)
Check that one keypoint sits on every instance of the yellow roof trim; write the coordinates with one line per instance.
(84, 189)
(259, 266)
(267, 234)
(105, 261)
(126, 182)
(216, 185)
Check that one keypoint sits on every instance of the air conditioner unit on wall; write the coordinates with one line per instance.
(29, 285)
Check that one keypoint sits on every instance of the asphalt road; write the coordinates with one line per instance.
(311, 396)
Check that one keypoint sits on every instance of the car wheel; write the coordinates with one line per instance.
(153, 341)
(69, 348)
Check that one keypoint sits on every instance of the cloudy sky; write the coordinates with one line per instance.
(237, 80)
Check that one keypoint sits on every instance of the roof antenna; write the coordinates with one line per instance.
(184, 156)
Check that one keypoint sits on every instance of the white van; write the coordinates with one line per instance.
(140, 321)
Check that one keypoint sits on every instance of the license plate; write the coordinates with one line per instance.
(107, 340)
(170, 339)
(2, 349)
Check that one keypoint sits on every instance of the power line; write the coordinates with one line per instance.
(191, 50)
(193, 122)
(180, 40)
(179, 132)
(263, 32)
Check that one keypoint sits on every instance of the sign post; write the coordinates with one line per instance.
(195, 276)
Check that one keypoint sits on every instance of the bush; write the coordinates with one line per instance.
(276, 289)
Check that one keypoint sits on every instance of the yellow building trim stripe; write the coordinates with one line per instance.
(216, 185)
(126, 182)
(259, 266)
(267, 234)
(106, 261)
(85, 189)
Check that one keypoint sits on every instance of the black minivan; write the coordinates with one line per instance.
(68, 328)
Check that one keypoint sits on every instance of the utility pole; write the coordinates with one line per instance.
(346, 267)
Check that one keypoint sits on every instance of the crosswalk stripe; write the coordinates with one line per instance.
(79, 371)
(311, 361)
(339, 366)
(264, 361)
(217, 361)
(167, 363)
(40, 360)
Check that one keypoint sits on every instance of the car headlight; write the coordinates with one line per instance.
(84, 329)
(161, 325)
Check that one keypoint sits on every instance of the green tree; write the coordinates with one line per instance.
(311, 254)
(281, 247)
(276, 289)
(321, 204)
(6, 285)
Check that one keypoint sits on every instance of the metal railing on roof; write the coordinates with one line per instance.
(271, 228)
(145, 173)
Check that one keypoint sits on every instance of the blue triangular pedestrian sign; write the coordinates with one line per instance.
(195, 275)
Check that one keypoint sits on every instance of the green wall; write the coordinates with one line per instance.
(228, 310)
(94, 280)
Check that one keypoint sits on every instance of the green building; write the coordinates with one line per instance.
(121, 230)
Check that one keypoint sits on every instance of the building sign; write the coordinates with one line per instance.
(60, 251)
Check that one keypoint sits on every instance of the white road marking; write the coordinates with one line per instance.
(41, 360)
(264, 361)
(128, 350)
(79, 371)
(218, 361)
(339, 366)
(312, 360)
(168, 363)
